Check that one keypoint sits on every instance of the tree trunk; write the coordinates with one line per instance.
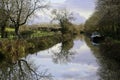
(2, 31)
(17, 31)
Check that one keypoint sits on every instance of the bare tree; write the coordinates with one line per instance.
(20, 11)
(64, 18)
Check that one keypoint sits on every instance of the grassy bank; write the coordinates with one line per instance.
(34, 34)
(12, 50)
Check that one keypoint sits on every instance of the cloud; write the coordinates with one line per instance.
(78, 18)
(84, 7)
(82, 10)
(81, 4)
(39, 19)
(57, 1)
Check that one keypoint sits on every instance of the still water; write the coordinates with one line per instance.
(70, 60)
(73, 59)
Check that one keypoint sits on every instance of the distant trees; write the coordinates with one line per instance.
(19, 11)
(63, 17)
(91, 24)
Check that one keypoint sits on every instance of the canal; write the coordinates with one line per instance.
(69, 60)
(73, 59)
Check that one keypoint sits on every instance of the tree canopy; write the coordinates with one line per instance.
(107, 19)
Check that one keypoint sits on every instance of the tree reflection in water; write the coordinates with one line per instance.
(109, 68)
(21, 70)
(64, 55)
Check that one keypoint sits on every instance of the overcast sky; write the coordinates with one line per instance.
(82, 10)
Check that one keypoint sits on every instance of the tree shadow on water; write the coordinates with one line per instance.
(22, 70)
(107, 57)
(64, 55)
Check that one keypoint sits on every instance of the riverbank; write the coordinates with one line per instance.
(13, 49)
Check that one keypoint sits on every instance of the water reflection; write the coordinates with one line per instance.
(73, 59)
(79, 62)
(64, 55)
(109, 68)
(21, 70)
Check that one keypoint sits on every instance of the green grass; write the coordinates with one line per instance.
(10, 29)
(41, 34)
(28, 33)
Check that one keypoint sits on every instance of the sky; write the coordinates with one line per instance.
(82, 10)
(57, 1)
